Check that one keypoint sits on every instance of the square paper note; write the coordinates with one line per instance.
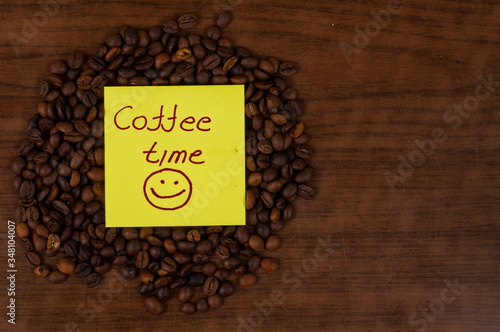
(175, 155)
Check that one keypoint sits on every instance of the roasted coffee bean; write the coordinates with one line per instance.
(222, 252)
(32, 258)
(130, 36)
(247, 280)
(162, 281)
(181, 257)
(44, 89)
(202, 305)
(22, 229)
(42, 270)
(188, 308)
(177, 283)
(154, 305)
(221, 274)
(210, 286)
(170, 26)
(53, 242)
(287, 68)
(185, 293)
(27, 190)
(57, 277)
(92, 280)
(66, 265)
(256, 243)
(142, 260)
(83, 269)
(75, 60)
(226, 289)
(214, 301)
(168, 264)
(305, 191)
(223, 19)
(203, 246)
(273, 242)
(163, 293)
(213, 32)
(193, 236)
(40, 243)
(27, 244)
(208, 268)
(269, 264)
(146, 288)
(187, 21)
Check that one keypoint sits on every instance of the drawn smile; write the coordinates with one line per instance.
(171, 196)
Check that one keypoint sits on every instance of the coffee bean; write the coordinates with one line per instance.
(273, 242)
(42, 270)
(185, 293)
(287, 68)
(130, 36)
(146, 288)
(208, 268)
(163, 293)
(142, 260)
(213, 32)
(305, 191)
(247, 280)
(269, 264)
(203, 246)
(146, 276)
(222, 252)
(32, 258)
(66, 265)
(75, 60)
(221, 274)
(22, 230)
(178, 283)
(83, 269)
(170, 26)
(154, 305)
(256, 243)
(211, 61)
(202, 305)
(214, 301)
(162, 281)
(188, 308)
(27, 190)
(57, 277)
(92, 280)
(223, 19)
(193, 236)
(303, 151)
(71, 248)
(187, 21)
(53, 242)
(211, 285)
(226, 289)
(168, 264)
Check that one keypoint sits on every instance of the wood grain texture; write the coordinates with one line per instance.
(394, 250)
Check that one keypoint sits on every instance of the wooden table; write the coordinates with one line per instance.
(405, 248)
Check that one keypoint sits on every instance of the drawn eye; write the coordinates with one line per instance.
(176, 182)
(162, 181)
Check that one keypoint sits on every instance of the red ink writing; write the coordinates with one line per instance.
(166, 124)
(175, 156)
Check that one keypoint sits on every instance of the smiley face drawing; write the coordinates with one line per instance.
(168, 189)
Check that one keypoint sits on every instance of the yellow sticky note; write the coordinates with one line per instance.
(174, 155)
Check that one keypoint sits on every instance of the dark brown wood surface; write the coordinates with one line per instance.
(421, 256)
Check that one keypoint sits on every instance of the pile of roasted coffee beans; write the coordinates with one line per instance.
(60, 169)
